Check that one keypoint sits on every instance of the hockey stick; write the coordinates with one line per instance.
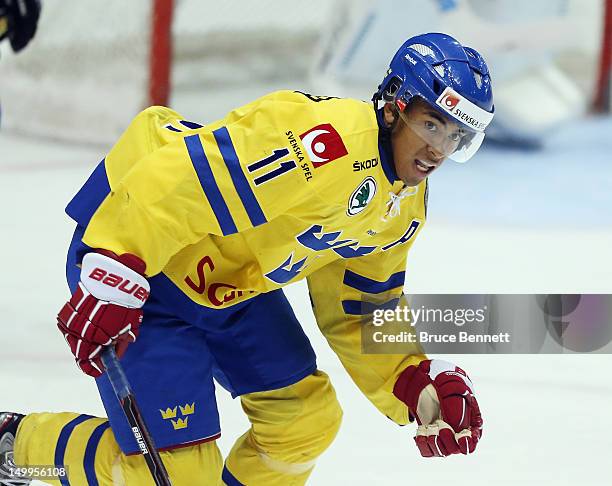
(127, 400)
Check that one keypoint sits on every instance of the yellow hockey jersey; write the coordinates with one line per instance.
(286, 187)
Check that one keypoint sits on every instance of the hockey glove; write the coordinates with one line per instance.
(105, 309)
(18, 21)
(440, 396)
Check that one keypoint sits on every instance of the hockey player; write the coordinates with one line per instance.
(18, 21)
(186, 235)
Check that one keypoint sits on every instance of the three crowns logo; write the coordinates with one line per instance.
(188, 409)
(169, 413)
(179, 423)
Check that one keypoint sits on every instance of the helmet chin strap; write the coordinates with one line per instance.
(385, 131)
(396, 117)
(394, 109)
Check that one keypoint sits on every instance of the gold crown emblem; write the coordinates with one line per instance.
(169, 413)
(180, 423)
(188, 409)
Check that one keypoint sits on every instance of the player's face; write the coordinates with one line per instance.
(412, 140)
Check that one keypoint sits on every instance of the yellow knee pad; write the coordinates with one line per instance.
(87, 447)
(291, 427)
(198, 465)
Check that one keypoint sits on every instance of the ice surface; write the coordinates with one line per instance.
(506, 222)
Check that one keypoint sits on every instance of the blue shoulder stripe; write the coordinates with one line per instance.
(209, 184)
(62, 443)
(360, 308)
(249, 201)
(367, 285)
(89, 460)
(229, 479)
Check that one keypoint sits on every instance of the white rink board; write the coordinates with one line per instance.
(546, 419)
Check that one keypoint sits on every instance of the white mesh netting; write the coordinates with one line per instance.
(86, 72)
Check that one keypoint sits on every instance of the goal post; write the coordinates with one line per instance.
(160, 52)
(603, 90)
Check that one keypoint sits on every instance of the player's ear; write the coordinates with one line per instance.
(389, 114)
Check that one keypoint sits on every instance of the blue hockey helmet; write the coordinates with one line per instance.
(452, 78)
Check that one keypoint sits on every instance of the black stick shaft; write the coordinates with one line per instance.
(126, 398)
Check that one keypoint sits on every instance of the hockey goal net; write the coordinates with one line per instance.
(93, 65)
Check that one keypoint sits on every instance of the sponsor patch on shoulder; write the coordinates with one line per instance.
(361, 196)
(323, 144)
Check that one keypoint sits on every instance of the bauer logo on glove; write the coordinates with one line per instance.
(122, 284)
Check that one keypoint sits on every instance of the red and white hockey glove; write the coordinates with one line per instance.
(441, 397)
(105, 309)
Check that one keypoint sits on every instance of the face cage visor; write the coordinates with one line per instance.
(449, 140)
(458, 133)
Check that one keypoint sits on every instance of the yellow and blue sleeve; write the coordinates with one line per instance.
(342, 293)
